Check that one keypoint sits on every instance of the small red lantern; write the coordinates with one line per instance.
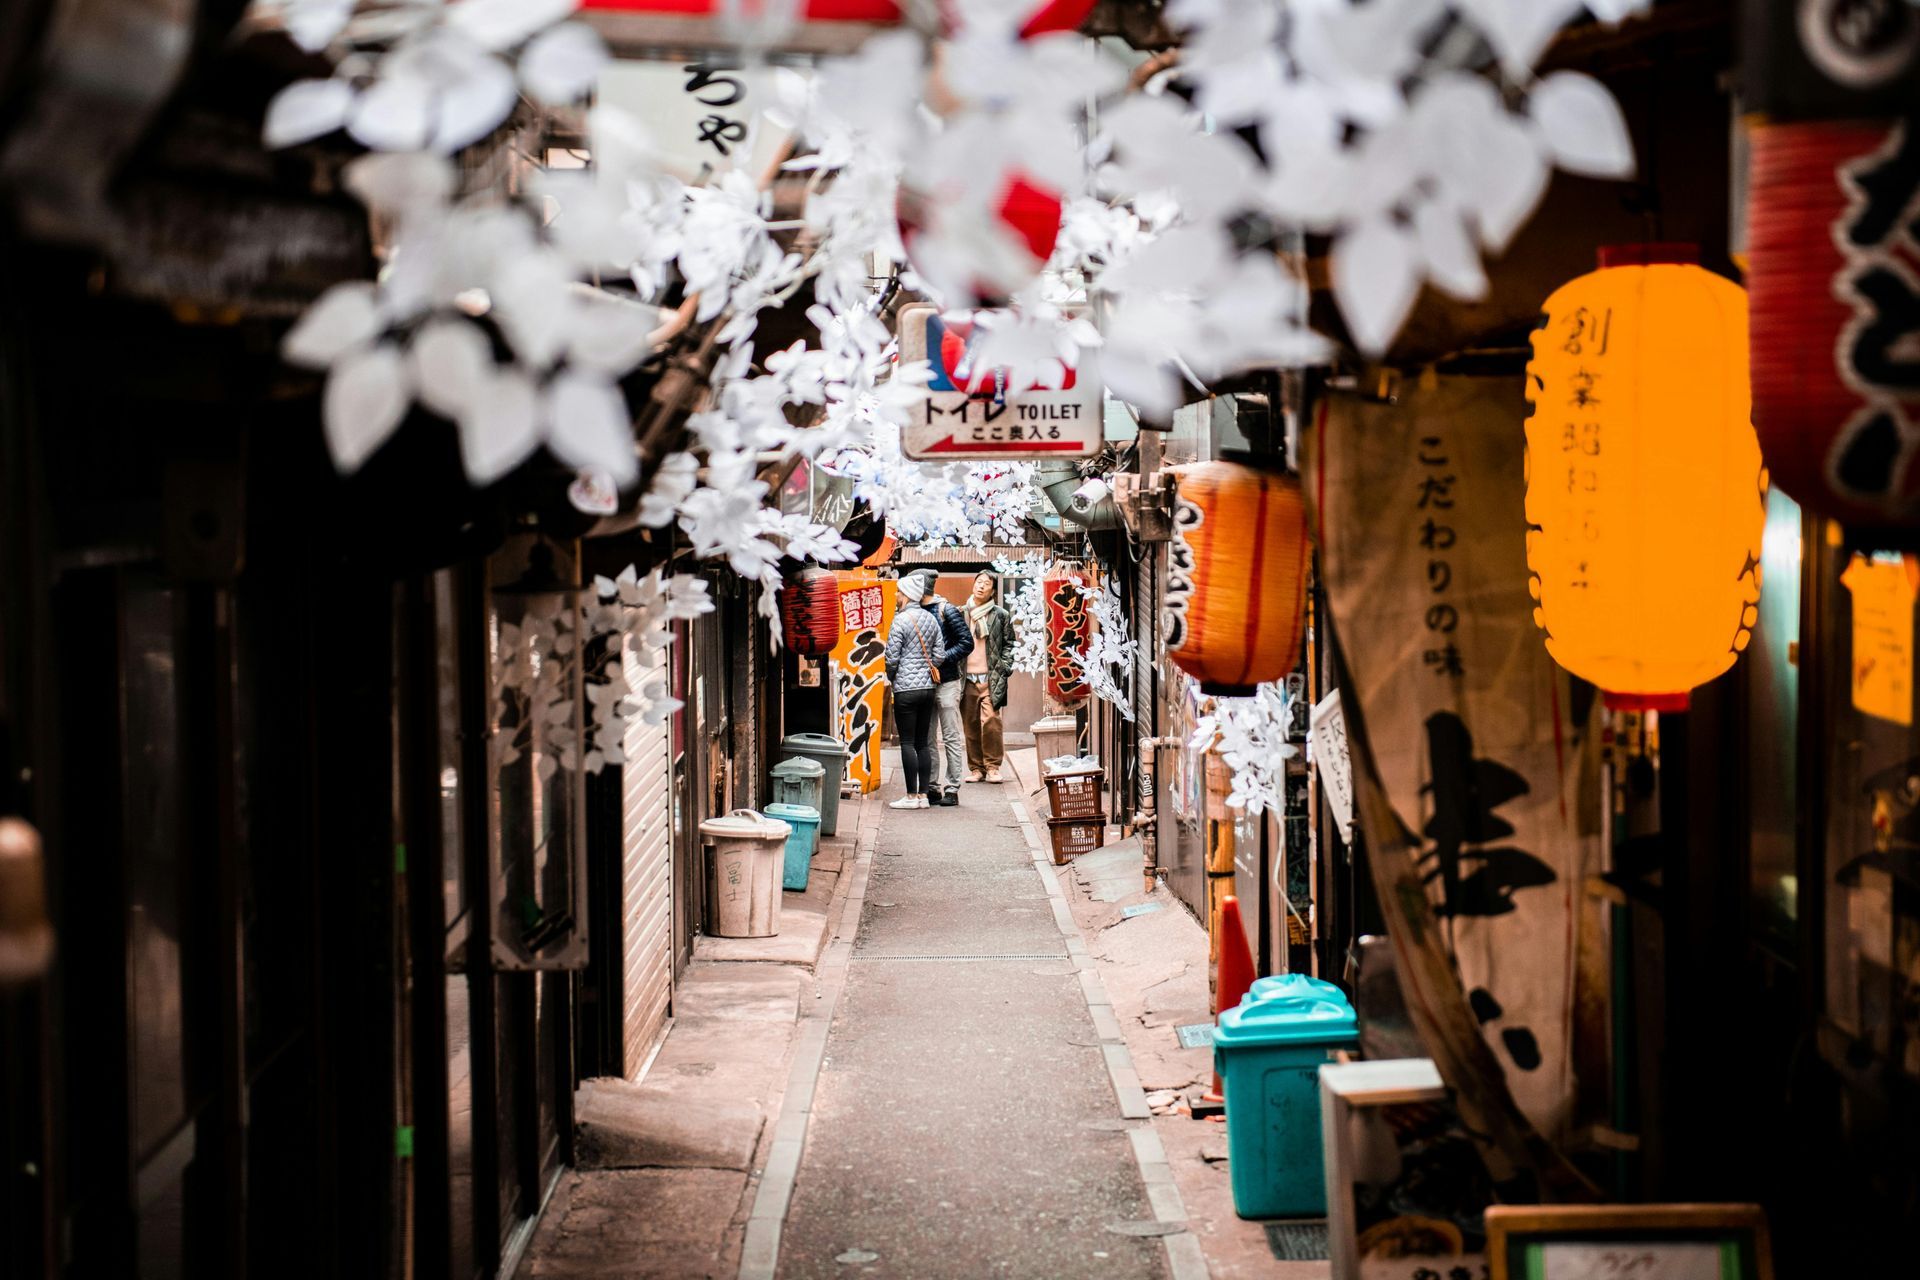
(1069, 628)
(1836, 316)
(1236, 593)
(810, 613)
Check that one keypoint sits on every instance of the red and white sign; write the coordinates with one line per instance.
(969, 416)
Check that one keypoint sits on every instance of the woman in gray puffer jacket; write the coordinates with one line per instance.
(915, 646)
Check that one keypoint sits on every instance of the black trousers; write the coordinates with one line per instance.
(913, 713)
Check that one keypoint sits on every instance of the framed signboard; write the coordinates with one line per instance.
(969, 415)
(1629, 1242)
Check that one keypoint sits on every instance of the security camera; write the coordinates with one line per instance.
(1090, 494)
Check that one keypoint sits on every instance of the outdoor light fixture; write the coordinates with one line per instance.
(1646, 496)
(1236, 592)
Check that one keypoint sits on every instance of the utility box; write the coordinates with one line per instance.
(831, 753)
(1269, 1050)
(746, 853)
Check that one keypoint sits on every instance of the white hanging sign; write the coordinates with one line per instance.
(1327, 732)
(968, 414)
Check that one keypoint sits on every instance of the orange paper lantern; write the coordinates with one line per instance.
(1237, 588)
(1645, 490)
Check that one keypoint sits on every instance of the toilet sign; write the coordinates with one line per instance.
(968, 414)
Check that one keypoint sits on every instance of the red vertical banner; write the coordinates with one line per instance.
(1069, 628)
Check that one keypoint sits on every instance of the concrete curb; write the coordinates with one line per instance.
(760, 1248)
(1185, 1258)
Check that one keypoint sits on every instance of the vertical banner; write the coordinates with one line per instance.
(1420, 508)
(860, 670)
(1069, 628)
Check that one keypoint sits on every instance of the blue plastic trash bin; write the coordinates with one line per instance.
(1268, 1051)
(805, 834)
(832, 755)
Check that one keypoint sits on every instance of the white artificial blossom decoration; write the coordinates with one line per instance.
(1106, 663)
(1383, 125)
(1250, 735)
(632, 615)
(1027, 607)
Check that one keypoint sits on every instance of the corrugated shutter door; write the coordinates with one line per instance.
(646, 836)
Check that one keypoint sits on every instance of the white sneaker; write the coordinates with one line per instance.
(922, 802)
(908, 802)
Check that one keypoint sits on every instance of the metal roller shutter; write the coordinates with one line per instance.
(646, 837)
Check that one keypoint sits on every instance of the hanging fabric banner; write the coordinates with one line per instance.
(1419, 515)
(860, 670)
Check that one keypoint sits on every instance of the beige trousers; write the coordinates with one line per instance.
(981, 718)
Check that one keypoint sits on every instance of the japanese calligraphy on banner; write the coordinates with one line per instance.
(701, 115)
(1069, 627)
(859, 671)
(968, 413)
(1419, 513)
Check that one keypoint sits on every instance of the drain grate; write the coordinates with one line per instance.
(1009, 955)
(1298, 1241)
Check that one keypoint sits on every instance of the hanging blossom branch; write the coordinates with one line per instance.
(1027, 608)
(631, 619)
(1251, 736)
(1110, 649)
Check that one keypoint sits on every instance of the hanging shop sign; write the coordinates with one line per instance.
(1069, 629)
(859, 671)
(969, 416)
(702, 116)
(1833, 264)
(1475, 742)
(1236, 593)
(1645, 496)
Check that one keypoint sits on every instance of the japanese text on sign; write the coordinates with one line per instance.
(860, 609)
(1437, 535)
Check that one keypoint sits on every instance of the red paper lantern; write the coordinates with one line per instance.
(1236, 593)
(1069, 628)
(810, 613)
(1832, 264)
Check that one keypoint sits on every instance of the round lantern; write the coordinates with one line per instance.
(810, 612)
(1645, 491)
(1836, 386)
(1236, 593)
(1069, 628)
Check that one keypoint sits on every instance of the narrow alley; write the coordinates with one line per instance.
(965, 1123)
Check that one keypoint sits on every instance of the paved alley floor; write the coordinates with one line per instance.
(964, 1124)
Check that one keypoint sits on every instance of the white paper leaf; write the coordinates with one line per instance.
(1508, 181)
(366, 397)
(1452, 258)
(1582, 125)
(1520, 30)
(588, 426)
(400, 182)
(500, 427)
(532, 302)
(1376, 277)
(394, 115)
(312, 24)
(345, 318)
(306, 109)
(451, 361)
(562, 65)
(606, 333)
(471, 107)
(500, 24)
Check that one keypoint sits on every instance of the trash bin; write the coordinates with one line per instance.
(796, 780)
(801, 841)
(746, 852)
(1055, 736)
(1268, 1052)
(832, 755)
(1281, 984)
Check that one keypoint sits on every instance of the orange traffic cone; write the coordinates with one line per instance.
(1236, 973)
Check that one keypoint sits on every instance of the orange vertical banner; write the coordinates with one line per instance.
(859, 670)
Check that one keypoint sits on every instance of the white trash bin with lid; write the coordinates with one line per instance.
(746, 854)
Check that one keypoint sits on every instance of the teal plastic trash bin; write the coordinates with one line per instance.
(805, 834)
(832, 755)
(1268, 1051)
(796, 780)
